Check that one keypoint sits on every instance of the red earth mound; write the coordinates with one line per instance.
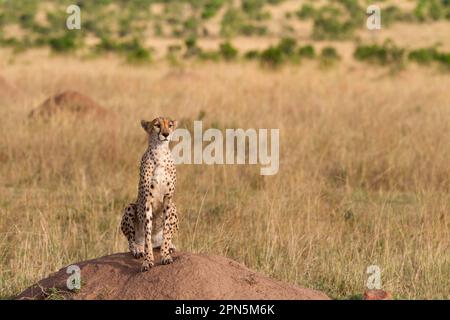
(70, 102)
(191, 276)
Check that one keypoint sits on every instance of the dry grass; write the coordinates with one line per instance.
(364, 171)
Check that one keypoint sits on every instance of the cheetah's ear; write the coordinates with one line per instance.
(147, 125)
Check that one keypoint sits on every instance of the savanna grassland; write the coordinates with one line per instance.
(364, 175)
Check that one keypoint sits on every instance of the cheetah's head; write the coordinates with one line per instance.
(160, 128)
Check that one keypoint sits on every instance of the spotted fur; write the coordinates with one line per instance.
(151, 221)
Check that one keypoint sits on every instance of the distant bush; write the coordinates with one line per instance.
(234, 22)
(423, 56)
(106, 45)
(139, 55)
(231, 23)
(227, 51)
(329, 26)
(306, 52)
(372, 53)
(251, 6)
(252, 30)
(190, 26)
(26, 20)
(272, 57)
(287, 46)
(426, 56)
(191, 47)
(209, 55)
(329, 53)
(306, 11)
(285, 50)
(210, 8)
(253, 9)
(329, 56)
(388, 53)
(134, 51)
(251, 54)
(393, 14)
(444, 59)
(68, 42)
(338, 20)
(174, 48)
(432, 10)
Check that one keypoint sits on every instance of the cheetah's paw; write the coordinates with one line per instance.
(137, 253)
(146, 266)
(167, 260)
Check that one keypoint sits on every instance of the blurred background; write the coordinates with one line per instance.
(364, 119)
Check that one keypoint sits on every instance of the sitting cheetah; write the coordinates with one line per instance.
(151, 221)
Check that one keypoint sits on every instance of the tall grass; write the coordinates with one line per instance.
(364, 171)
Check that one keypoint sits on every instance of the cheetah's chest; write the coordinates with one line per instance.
(160, 180)
(161, 186)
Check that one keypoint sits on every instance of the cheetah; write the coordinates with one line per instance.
(151, 221)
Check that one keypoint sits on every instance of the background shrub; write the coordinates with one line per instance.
(423, 56)
(307, 52)
(272, 57)
(228, 52)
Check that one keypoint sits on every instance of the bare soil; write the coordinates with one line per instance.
(191, 276)
(70, 102)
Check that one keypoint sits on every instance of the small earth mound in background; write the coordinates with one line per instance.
(191, 276)
(70, 102)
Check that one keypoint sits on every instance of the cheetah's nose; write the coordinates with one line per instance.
(165, 134)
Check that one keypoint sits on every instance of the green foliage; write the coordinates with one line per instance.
(235, 22)
(423, 56)
(328, 25)
(426, 56)
(306, 52)
(307, 11)
(209, 55)
(211, 7)
(253, 9)
(335, 20)
(329, 53)
(287, 46)
(286, 50)
(106, 44)
(139, 55)
(272, 57)
(444, 59)
(68, 42)
(231, 22)
(432, 10)
(135, 52)
(338, 20)
(191, 47)
(252, 30)
(228, 52)
(393, 14)
(190, 26)
(372, 53)
(329, 56)
(388, 53)
(251, 55)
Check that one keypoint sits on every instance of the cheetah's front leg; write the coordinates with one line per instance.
(148, 249)
(170, 222)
